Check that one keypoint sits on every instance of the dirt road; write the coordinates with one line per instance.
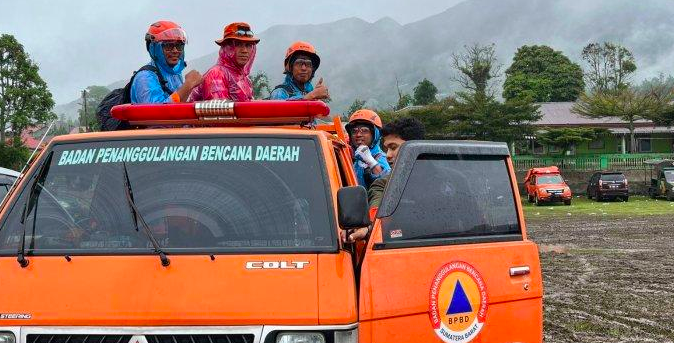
(607, 279)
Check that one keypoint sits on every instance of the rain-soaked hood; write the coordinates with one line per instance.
(226, 59)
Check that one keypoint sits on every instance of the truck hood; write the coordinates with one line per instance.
(138, 291)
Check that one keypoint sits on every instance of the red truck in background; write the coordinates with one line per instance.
(546, 185)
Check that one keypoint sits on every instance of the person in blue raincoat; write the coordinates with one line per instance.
(364, 129)
(300, 66)
(165, 41)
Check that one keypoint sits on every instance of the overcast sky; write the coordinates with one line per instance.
(80, 43)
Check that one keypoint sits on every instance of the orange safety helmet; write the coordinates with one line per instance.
(165, 31)
(304, 47)
(365, 115)
(238, 31)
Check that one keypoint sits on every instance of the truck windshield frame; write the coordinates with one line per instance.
(308, 214)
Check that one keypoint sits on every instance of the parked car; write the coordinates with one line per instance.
(662, 185)
(546, 185)
(7, 178)
(604, 185)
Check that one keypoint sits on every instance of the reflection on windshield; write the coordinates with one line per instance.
(208, 197)
(549, 179)
(454, 197)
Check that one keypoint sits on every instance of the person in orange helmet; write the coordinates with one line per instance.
(161, 81)
(300, 66)
(229, 77)
(364, 134)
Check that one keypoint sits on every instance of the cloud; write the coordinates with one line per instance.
(80, 43)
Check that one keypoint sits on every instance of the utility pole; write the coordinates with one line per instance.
(85, 116)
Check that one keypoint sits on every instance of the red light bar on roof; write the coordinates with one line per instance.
(222, 112)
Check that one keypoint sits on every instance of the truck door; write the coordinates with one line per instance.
(449, 259)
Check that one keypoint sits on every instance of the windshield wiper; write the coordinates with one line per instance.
(138, 217)
(28, 206)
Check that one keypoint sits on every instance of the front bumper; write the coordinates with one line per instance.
(554, 197)
(613, 192)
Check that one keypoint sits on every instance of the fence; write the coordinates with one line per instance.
(591, 162)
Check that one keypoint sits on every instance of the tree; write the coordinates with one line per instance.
(475, 113)
(24, 98)
(94, 96)
(628, 104)
(474, 116)
(543, 75)
(355, 106)
(566, 137)
(610, 66)
(662, 88)
(433, 116)
(261, 88)
(424, 93)
(404, 99)
(477, 67)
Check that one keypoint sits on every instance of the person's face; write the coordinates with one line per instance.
(302, 69)
(172, 52)
(361, 135)
(392, 145)
(242, 51)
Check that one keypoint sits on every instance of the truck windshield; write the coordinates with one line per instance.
(257, 194)
(549, 180)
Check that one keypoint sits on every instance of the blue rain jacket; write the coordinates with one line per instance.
(146, 87)
(363, 173)
(298, 94)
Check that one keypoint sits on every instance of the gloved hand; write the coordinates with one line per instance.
(364, 155)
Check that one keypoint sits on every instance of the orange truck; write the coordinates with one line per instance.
(546, 185)
(228, 231)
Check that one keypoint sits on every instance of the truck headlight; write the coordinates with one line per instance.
(299, 337)
(7, 337)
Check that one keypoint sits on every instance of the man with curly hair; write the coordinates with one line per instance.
(394, 134)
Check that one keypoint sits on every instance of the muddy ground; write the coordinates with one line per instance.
(607, 279)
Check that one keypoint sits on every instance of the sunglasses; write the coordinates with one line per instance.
(303, 63)
(243, 33)
(170, 46)
(361, 130)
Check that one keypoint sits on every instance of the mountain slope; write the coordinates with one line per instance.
(362, 60)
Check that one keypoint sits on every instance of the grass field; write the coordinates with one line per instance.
(636, 206)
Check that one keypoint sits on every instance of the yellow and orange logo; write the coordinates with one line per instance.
(458, 302)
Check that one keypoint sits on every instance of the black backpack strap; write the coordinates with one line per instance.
(162, 82)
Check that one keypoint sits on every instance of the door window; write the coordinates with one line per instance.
(455, 197)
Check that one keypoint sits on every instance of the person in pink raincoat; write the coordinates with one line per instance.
(229, 77)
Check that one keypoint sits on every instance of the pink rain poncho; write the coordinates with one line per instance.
(226, 80)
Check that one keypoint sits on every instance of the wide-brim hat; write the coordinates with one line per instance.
(238, 31)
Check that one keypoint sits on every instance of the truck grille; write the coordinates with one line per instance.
(47, 338)
(555, 191)
(231, 338)
(64, 338)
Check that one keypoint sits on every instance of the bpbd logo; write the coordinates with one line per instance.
(457, 302)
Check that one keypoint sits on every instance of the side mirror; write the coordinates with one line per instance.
(352, 207)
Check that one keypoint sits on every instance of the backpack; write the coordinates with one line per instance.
(121, 96)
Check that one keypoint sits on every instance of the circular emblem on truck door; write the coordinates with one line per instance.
(458, 302)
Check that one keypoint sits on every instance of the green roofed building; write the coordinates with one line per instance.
(649, 137)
